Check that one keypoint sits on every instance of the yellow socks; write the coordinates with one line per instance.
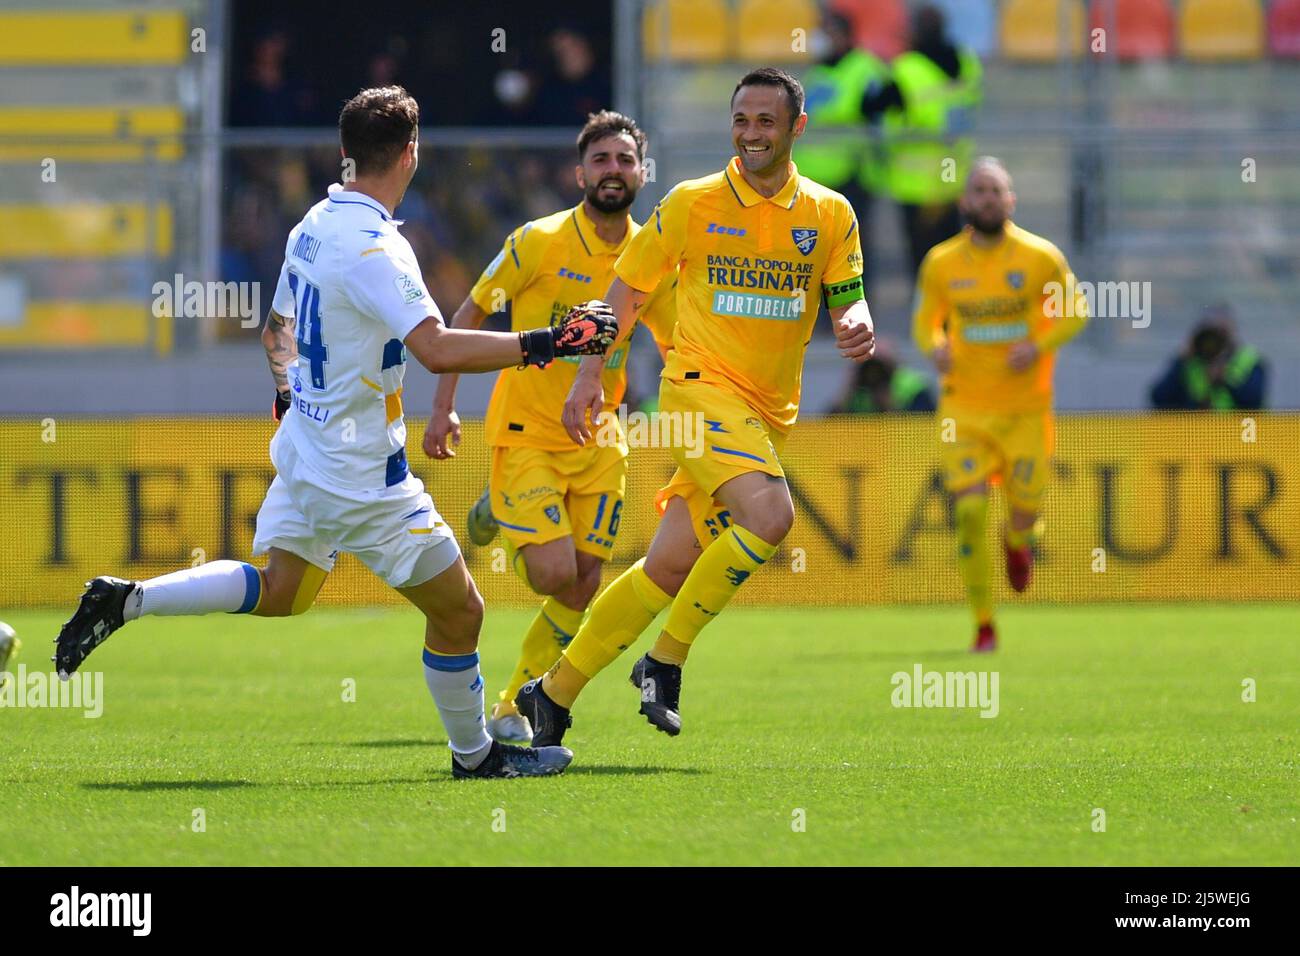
(716, 577)
(629, 605)
(564, 682)
(973, 554)
(669, 650)
(551, 631)
(624, 609)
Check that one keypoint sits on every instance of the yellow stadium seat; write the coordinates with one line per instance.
(70, 38)
(94, 134)
(1222, 29)
(771, 31)
(687, 30)
(70, 323)
(1031, 30)
(87, 231)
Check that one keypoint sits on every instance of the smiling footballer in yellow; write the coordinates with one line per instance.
(756, 248)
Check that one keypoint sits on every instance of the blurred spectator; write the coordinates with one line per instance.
(513, 89)
(383, 69)
(834, 89)
(576, 86)
(928, 106)
(265, 96)
(1213, 371)
(880, 384)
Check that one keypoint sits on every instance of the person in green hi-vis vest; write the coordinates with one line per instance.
(835, 89)
(1214, 371)
(881, 384)
(928, 105)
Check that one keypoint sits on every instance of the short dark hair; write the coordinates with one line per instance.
(375, 126)
(774, 76)
(608, 123)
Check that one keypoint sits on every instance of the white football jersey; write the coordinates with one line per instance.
(351, 282)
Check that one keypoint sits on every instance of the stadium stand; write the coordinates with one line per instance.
(81, 38)
(766, 29)
(95, 97)
(1165, 203)
(688, 31)
(975, 21)
(1041, 31)
(1284, 28)
(1221, 29)
(881, 26)
(1136, 29)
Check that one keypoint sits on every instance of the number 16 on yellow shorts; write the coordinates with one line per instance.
(539, 496)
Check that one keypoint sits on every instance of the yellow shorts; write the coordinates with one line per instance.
(1014, 448)
(539, 496)
(728, 439)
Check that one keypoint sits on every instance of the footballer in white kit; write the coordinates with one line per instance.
(351, 283)
(349, 307)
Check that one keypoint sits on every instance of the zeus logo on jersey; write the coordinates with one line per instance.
(724, 230)
(570, 274)
(804, 239)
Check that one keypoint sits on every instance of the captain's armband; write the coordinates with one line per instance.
(843, 293)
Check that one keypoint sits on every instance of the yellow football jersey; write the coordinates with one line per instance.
(544, 268)
(983, 301)
(751, 271)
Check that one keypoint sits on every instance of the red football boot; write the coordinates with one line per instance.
(986, 639)
(1020, 565)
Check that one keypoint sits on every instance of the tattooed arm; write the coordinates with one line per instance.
(281, 354)
(281, 348)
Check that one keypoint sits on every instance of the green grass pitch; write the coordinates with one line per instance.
(1136, 711)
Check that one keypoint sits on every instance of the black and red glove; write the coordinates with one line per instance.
(282, 404)
(589, 328)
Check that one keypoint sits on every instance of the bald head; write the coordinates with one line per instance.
(990, 166)
(988, 200)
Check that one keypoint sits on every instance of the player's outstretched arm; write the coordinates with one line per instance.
(855, 333)
(441, 350)
(443, 430)
(281, 354)
(587, 394)
(587, 329)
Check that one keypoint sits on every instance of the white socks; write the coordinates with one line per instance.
(457, 689)
(215, 586)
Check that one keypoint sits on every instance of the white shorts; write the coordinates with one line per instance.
(395, 532)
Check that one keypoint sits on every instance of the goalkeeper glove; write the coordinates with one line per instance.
(282, 404)
(588, 328)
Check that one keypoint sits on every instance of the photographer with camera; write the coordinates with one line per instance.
(1213, 371)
